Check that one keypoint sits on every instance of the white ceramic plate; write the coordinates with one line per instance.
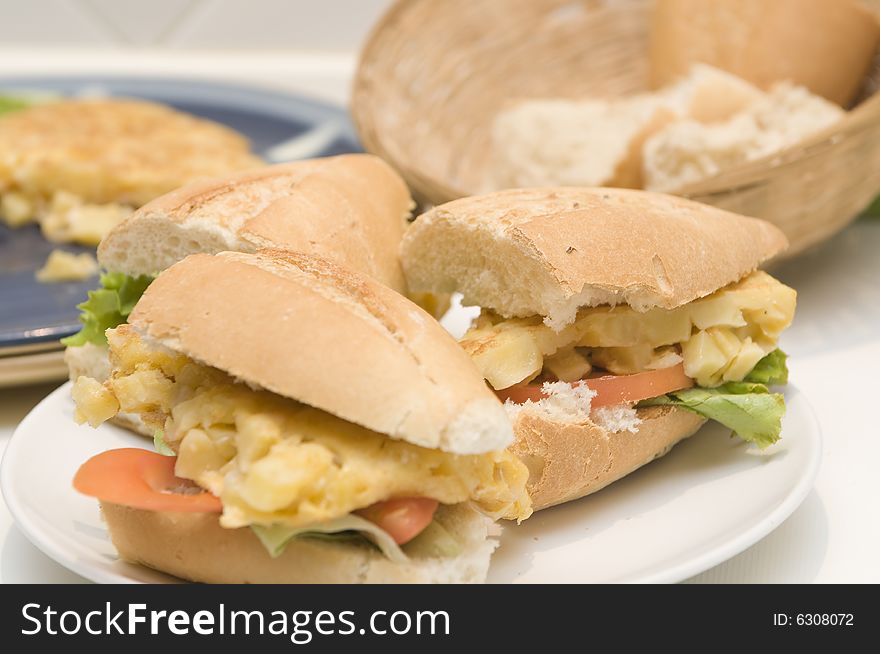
(706, 501)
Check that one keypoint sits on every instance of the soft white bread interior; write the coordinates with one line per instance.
(194, 546)
(568, 460)
(547, 252)
(825, 45)
(90, 360)
(304, 328)
(688, 151)
(542, 142)
(351, 209)
(598, 142)
(708, 94)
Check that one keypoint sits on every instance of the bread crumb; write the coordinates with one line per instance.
(618, 418)
(571, 403)
(564, 402)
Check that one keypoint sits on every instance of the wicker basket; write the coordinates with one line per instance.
(435, 73)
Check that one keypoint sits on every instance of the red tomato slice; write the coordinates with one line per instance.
(403, 518)
(142, 480)
(145, 480)
(613, 389)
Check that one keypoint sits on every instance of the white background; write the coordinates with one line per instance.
(308, 47)
(320, 25)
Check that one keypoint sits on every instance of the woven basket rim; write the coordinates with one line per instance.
(784, 169)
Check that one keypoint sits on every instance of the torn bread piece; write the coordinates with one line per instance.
(599, 141)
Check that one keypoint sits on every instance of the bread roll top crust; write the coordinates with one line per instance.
(549, 251)
(304, 328)
(351, 209)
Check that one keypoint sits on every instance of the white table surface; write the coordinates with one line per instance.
(834, 347)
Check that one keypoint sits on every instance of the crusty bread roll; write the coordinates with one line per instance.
(549, 251)
(350, 209)
(359, 350)
(825, 45)
(569, 460)
(194, 546)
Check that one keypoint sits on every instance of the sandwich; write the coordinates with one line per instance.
(613, 322)
(79, 167)
(320, 427)
(351, 209)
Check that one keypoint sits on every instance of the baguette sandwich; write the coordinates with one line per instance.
(614, 322)
(351, 209)
(320, 426)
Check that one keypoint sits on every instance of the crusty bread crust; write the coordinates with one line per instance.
(767, 42)
(350, 209)
(304, 328)
(93, 361)
(550, 251)
(195, 547)
(567, 461)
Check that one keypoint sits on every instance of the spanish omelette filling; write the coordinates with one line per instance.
(719, 338)
(81, 166)
(273, 461)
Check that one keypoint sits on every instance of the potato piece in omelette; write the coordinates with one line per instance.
(78, 167)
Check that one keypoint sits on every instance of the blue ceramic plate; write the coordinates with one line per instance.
(281, 127)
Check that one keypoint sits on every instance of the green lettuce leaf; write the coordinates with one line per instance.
(13, 103)
(434, 541)
(24, 99)
(107, 307)
(770, 370)
(276, 537)
(749, 409)
(162, 447)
